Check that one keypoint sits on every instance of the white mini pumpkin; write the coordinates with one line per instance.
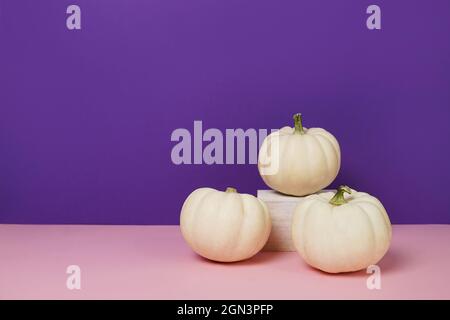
(224, 226)
(299, 161)
(341, 233)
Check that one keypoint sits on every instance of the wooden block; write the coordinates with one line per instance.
(281, 208)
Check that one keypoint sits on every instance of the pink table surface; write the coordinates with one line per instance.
(153, 262)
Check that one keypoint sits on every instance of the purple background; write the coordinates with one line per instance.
(86, 116)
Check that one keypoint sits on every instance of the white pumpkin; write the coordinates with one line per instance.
(299, 161)
(224, 226)
(341, 233)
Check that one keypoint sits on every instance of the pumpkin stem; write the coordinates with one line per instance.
(298, 123)
(231, 190)
(338, 198)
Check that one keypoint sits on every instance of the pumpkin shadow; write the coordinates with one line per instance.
(394, 261)
(259, 258)
(353, 274)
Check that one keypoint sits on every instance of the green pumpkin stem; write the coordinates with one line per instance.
(338, 198)
(298, 123)
(231, 190)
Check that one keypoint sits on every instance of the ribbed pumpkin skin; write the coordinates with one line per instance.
(343, 238)
(224, 226)
(306, 163)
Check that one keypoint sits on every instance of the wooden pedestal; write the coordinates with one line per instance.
(281, 208)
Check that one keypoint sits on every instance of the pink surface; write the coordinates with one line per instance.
(153, 262)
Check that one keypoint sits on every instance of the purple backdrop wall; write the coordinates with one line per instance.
(86, 116)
